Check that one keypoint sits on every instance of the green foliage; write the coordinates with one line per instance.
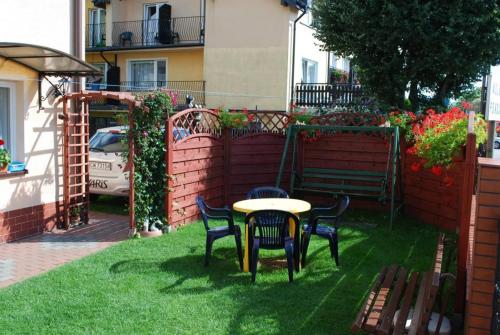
(404, 121)
(149, 160)
(439, 145)
(4, 157)
(300, 118)
(236, 120)
(424, 46)
(439, 137)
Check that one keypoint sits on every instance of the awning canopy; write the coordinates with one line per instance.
(46, 61)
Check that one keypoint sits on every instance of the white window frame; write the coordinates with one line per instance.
(304, 80)
(155, 60)
(12, 117)
(148, 33)
(101, 15)
(147, 5)
(104, 81)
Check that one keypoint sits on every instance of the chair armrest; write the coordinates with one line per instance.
(219, 217)
(325, 217)
(219, 212)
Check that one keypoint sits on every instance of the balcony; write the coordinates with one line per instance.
(144, 34)
(195, 88)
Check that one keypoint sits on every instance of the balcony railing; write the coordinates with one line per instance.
(179, 31)
(187, 31)
(327, 95)
(195, 88)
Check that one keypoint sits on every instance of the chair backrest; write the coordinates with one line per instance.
(202, 206)
(271, 227)
(337, 212)
(126, 36)
(342, 205)
(267, 192)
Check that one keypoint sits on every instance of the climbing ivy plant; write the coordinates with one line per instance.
(149, 159)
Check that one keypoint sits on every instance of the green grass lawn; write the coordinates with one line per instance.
(160, 286)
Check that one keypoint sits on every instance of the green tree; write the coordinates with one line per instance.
(425, 46)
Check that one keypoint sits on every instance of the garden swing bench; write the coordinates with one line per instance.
(355, 183)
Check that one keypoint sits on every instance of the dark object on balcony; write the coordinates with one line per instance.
(215, 233)
(269, 229)
(124, 37)
(267, 192)
(164, 25)
(333, 214)
(299, 4)
(100, 3)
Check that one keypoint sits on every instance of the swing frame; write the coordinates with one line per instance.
(393, 161)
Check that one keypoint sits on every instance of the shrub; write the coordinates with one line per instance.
(149, 159)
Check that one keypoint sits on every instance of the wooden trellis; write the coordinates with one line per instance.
(76, 151)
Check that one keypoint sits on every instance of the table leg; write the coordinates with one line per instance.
(295, 233)
(246, 258)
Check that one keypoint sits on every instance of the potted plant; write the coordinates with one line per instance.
(74, 215)
(4, 157)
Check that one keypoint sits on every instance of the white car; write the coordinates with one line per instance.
(106, 162)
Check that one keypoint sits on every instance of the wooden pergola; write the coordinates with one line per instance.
(76, 138)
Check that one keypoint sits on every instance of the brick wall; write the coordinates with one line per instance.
(28, 221)
(484, 249)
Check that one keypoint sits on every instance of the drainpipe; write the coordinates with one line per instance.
(293, 54)
(76, 47)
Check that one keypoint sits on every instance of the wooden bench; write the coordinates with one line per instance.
(394, 290)
(358, 183)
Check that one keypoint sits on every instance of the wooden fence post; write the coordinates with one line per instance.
(131, 155)
(169, 166)
(227, 164)
(467, 191)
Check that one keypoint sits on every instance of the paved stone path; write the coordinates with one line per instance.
(34, 255)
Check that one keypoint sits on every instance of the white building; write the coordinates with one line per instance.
(30, 199)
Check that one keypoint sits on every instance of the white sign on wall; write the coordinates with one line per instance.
(493, 95)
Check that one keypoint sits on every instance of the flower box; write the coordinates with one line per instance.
(16, 167)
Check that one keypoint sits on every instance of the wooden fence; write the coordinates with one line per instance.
(327, 95)
(224, 165)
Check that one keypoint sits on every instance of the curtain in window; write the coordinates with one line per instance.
(4, 115)
(142, 74)
(161, 73)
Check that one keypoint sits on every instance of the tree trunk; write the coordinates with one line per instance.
(415, 103)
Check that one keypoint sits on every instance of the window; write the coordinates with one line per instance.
(7, 116)
(144, 74)
(309, 71)
(309, 16)
(100, 81)
(97, 27)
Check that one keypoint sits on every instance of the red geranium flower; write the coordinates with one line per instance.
(411, 150)
(415, 167)
(437, 170)
(466, 105)
(2, 142)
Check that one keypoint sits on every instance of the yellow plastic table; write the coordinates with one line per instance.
(294, 206)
